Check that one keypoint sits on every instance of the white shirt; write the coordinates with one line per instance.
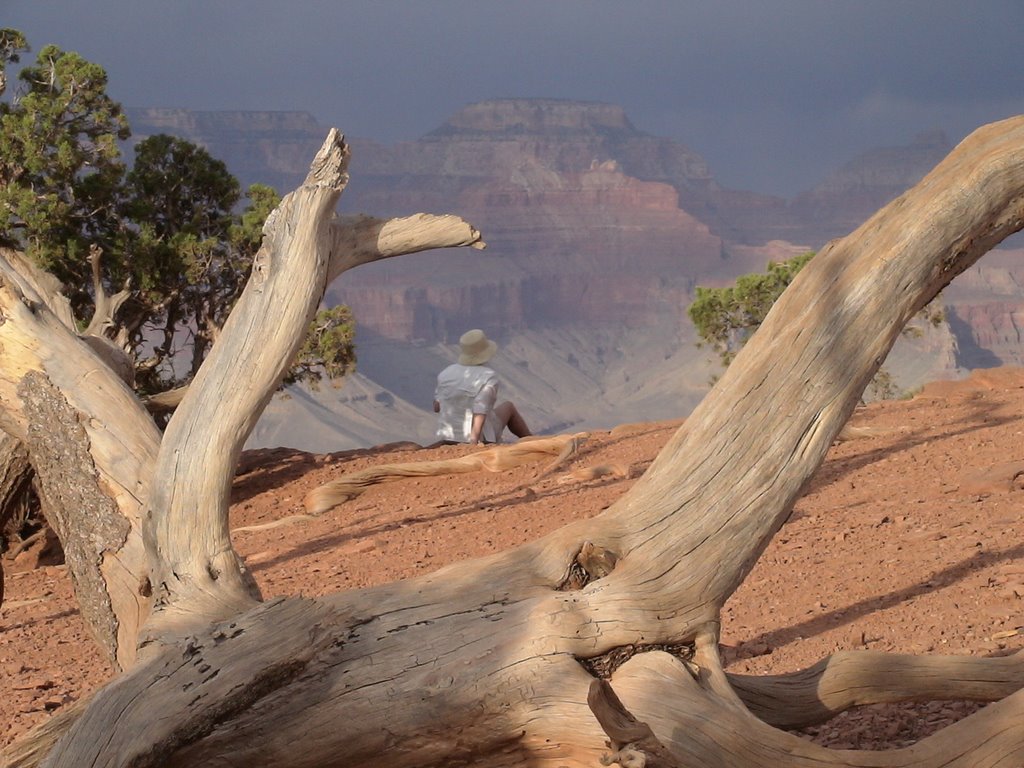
(463, 390)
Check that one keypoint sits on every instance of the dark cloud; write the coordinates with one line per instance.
(774, 95)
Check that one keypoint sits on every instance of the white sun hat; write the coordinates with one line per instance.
(475, 348)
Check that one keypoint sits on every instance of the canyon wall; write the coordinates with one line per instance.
(592, 247)
(597, 234)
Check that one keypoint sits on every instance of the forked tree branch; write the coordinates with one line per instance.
(492, 650)
(697, 728)
(105, 306)
(121, 437)
(198, 576)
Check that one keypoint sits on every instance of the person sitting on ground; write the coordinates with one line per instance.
(466, 397)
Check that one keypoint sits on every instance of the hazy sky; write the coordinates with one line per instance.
(772, 93)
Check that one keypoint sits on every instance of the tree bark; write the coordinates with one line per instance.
(50, 381)
(490, 662)
(15, 484)
(15, 477)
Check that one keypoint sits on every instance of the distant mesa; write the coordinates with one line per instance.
(546, 116)
(240, 122)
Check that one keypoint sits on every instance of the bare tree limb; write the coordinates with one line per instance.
(105, 306)
(697, 728)
(855, 678)
(45, 287)
(118, 437)
(364, 239)
(498, 458)
(481, 663)
(196, 574)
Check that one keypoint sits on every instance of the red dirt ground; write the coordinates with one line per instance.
(908, 540)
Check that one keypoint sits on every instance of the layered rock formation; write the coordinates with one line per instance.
(582, 215)
(597, 234)
(572, 247)
(851, 194)
(985, 311)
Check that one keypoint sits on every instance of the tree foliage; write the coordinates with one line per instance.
(12, 45)
(328, 348)
(184, 264)
(169, 227)
(60, 163)
(726, 317)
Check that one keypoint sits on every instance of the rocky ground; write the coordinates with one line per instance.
(909, 539)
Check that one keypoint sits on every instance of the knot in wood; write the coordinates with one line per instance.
(260, 268)
(602, 667)
(592, 562)
(627, 757)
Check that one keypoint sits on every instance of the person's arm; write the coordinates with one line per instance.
(483, 404)
(477, 429)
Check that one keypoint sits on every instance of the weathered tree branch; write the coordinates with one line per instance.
(45, 286)
(166, 401)
(105, 306)
(480, 663)
(856, 678)
(700, 729)
(197, 575)
(633, 744)
(15, 483)
(114, 435)
(302, 251)
(32, 749)
(498, 458)
(362, 239)
(26, 333)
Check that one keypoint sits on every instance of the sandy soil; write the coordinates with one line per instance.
(908, 539)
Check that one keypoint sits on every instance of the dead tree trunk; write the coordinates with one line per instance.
(490, 662)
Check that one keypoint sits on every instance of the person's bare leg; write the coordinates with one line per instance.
(508, 415)
(517, 424)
